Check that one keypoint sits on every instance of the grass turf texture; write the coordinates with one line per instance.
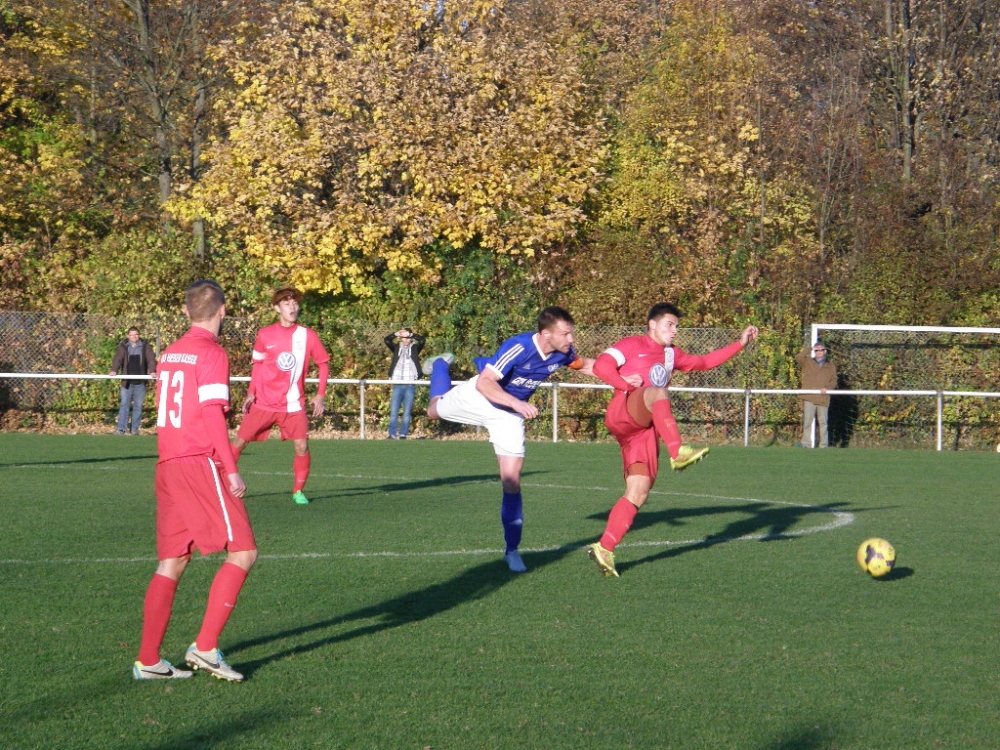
(382, 615)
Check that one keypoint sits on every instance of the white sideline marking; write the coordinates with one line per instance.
(840, 519)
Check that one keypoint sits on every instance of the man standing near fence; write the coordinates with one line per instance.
(404, 371)
(277, 394)
(497, 399)
(818, 374)
(134, 356)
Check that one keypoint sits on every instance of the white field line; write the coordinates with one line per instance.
(838, 520)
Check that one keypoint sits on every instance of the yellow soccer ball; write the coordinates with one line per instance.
(876, 556)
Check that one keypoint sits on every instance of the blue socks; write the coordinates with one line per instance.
(440, 378)
(512, 518)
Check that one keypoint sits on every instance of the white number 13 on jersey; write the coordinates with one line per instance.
(171, 398)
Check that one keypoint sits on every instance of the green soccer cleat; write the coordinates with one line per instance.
(687, 456)
(162, 670)
(212, 662)
(603, 558)
(428, 365)
(300, 498)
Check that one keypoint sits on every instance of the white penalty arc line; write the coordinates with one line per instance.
(840, 519)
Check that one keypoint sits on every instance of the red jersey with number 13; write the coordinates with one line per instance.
(280, 362)
(193, 372)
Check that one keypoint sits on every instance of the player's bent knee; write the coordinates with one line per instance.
(243, 558)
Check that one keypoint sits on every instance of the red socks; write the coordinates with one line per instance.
(221, 601)
(619, 522)
(300, 470)
(666, 426)
(156, 617)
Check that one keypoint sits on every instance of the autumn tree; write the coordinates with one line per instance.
(364, 134)
(712, 223)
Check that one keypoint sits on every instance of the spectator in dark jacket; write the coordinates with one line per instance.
(133, 357)
(404, 370)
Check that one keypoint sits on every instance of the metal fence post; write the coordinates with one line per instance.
(362, 383)
(940, 420)
(746, 419)
(555, 412)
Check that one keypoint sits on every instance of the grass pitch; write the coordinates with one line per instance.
(382, 616)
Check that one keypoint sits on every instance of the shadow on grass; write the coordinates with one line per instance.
(896, 574)
(471, 585)
(422, 484)
(805, 739)
(67, 461)
(765, 522)
(223, 733)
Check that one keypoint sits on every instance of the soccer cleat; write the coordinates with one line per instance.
(603, 558)
(514, 561)
(300, 498)
(162, 670)
(687, 456)
(428, 365)
(212, 662)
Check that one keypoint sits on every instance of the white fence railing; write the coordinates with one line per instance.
(941, 397)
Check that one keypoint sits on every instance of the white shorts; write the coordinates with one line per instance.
(466, 405)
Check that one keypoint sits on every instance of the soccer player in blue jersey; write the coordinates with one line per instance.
(497, 399)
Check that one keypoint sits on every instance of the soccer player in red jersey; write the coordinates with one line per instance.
(199, 490)
(639, 415)
(276, 395)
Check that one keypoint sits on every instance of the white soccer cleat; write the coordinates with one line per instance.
(428, 365)
(162, 670)
(212, 662)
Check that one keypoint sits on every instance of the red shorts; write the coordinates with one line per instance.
(257, 423)
(640, 445)
(195, 509)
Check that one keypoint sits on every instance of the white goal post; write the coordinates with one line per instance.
(946, 360)
(817, 327)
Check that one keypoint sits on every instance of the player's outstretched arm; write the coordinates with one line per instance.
(750, 333)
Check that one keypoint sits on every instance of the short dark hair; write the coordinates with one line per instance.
(286, 292)
(552, 315)
(660, 309)
(133, 328)
(203, 299)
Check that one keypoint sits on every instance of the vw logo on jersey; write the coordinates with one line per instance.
(285, 361)
(658, 375)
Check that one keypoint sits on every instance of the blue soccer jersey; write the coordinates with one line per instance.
(522, 367)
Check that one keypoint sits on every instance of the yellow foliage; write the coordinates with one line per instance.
(364, 132)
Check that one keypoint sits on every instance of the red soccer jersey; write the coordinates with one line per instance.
(192, 373)
(280, 362)
(656, 363)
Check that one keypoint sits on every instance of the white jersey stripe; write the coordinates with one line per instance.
(512, 353)
(222, 497)
(616, 355)
(213, 392)
(299, 352)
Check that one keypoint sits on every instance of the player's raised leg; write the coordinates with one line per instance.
(438, 369)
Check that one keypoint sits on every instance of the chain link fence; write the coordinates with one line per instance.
(51, 343)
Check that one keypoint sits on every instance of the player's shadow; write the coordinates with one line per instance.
(763, 522)
(63, 462)
(419, 484)
(470, 585)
